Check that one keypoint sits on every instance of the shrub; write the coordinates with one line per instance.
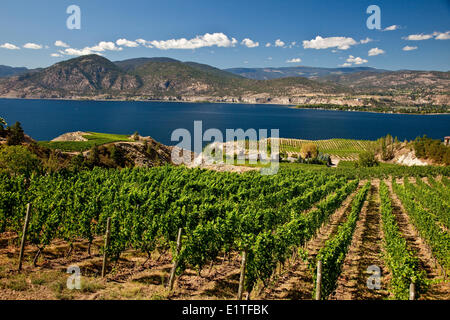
(17, 160)
(309, 151)
(428, 148)
(15, 135)
(77, 162)
(117, 156)
(366, 160)
(94, 156)
(386, 147)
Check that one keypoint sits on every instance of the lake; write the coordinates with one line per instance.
(46, 119)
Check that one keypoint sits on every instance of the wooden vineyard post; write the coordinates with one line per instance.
(242, 276)
(25, 228)
(319, 280)
(175, 263)
(412, 291)
(107, 234)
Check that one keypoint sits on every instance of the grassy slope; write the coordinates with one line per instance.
(94, 138)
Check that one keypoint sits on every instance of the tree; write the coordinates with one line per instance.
(135, 136)
(117, 156)
(2, 127)
(17, 160)
(387, 147)
(367, 159)
(309, 151)
(77, 162)
(94, 156)
(15, 135)
(52, 164)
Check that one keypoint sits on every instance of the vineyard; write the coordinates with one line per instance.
(179, 233)
(343, 148)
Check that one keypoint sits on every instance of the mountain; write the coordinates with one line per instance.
(6, 71)
(300, 71)
(131, 64)
(393, 81)
(95, 77)
(85, 75)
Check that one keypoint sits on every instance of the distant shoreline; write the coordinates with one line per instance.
(368, 111)
(291, 106)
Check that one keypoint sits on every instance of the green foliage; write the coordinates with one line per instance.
(18, 160)
(15, 135)
(219, 212)
(270, 217)
(77, 162)
(434, 199)
(94, 156)
(117, 156)
(366, 160)
(437, 239)
(386, 147)
(335, 249)
(428, 148)
(402, 262)
(335, 147)
(309, 151)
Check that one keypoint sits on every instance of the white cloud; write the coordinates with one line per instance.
(419, 37)
(345, 65)
(250, 43)
(442, 36)
(366, 40)
(77, 52)
(408, 48)
(9, 46)
(55, 55)
(376, 52)
(100, 47)
(436, 35)
(279, 43)
(33, 46)
(141, 41)
(392, 28)
(59, 43)
(268, 44)
(127, 43)
(206, 40)
(342, 43)
(294, 60)
(105, 45)
(356, 60)
(269, 58)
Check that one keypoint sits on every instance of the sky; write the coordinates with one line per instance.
(413, 34)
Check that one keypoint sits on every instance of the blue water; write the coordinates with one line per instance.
(46, 119)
